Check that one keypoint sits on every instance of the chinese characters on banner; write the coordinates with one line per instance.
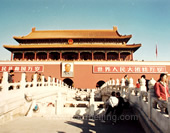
(128, 69)
(22, 68)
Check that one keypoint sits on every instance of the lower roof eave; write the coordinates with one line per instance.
(12, 48)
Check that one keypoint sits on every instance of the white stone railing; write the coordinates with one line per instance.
(24, 96)
(151, 110)
(18, 100)
(73, 107)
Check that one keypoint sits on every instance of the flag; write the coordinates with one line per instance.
(156, 51)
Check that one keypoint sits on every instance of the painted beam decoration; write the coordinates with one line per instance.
(128, 69)
(17, 68)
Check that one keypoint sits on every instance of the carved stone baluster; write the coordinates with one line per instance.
(143, 88)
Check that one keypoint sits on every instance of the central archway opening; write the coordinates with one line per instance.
(69, 82)
(99, 83)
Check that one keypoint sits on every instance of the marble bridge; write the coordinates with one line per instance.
(53, 105)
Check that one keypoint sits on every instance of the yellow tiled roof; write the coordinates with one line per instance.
(78, 34)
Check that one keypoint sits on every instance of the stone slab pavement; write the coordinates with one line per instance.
(129, 124)
(70, 125)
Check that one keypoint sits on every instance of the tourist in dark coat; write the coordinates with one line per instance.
(119, 108)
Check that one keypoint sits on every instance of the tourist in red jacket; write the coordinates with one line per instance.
(161, 88)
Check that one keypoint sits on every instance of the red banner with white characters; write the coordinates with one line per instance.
(30, 68)
(128, 69)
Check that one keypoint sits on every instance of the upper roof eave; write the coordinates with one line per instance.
(73, 37)
(73, 34)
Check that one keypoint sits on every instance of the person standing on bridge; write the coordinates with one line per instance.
(162, 90)
(119, 108)
(147, 81)
(126, 80)
(111, 102)
(10, 78)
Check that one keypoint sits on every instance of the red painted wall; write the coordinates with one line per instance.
(83, 74)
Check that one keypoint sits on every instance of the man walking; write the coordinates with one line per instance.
(10, 78)
(111, 102)
(119, 107)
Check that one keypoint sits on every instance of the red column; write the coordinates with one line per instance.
(79, 55)
(47, 55)
(132, 55)
(92, 55)
(60, 55)
(23, 56)
(105, 55)
(119, 56)
(11, 56)
(35, 55)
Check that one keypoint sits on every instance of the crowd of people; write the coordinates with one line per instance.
(115, 103)
(161, 89)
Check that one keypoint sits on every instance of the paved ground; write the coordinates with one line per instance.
(70, 125)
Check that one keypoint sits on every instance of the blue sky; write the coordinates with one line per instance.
(147, 20)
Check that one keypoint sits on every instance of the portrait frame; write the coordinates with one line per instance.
(67, 69)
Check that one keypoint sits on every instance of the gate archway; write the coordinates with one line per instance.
(100, 83)
(69, 82)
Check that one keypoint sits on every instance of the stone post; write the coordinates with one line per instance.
(53, 81)
(35, 80)
(122, 82)
(131, 83)
(60, 83)
(130, 88)
(169, 114)
(151, 84)
(42, 80)
(142, 88)
(59, 104)
(149, 104)
(113, 83)
(23, 82)
(5, 87)
(142, 84)
(5, 84)
(122, 87)
(57, 82)
(117, 84)
(91, 113)
(109, 82)
(49, 80)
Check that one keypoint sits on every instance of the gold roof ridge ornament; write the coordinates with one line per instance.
(114, 28)
(33, 29)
